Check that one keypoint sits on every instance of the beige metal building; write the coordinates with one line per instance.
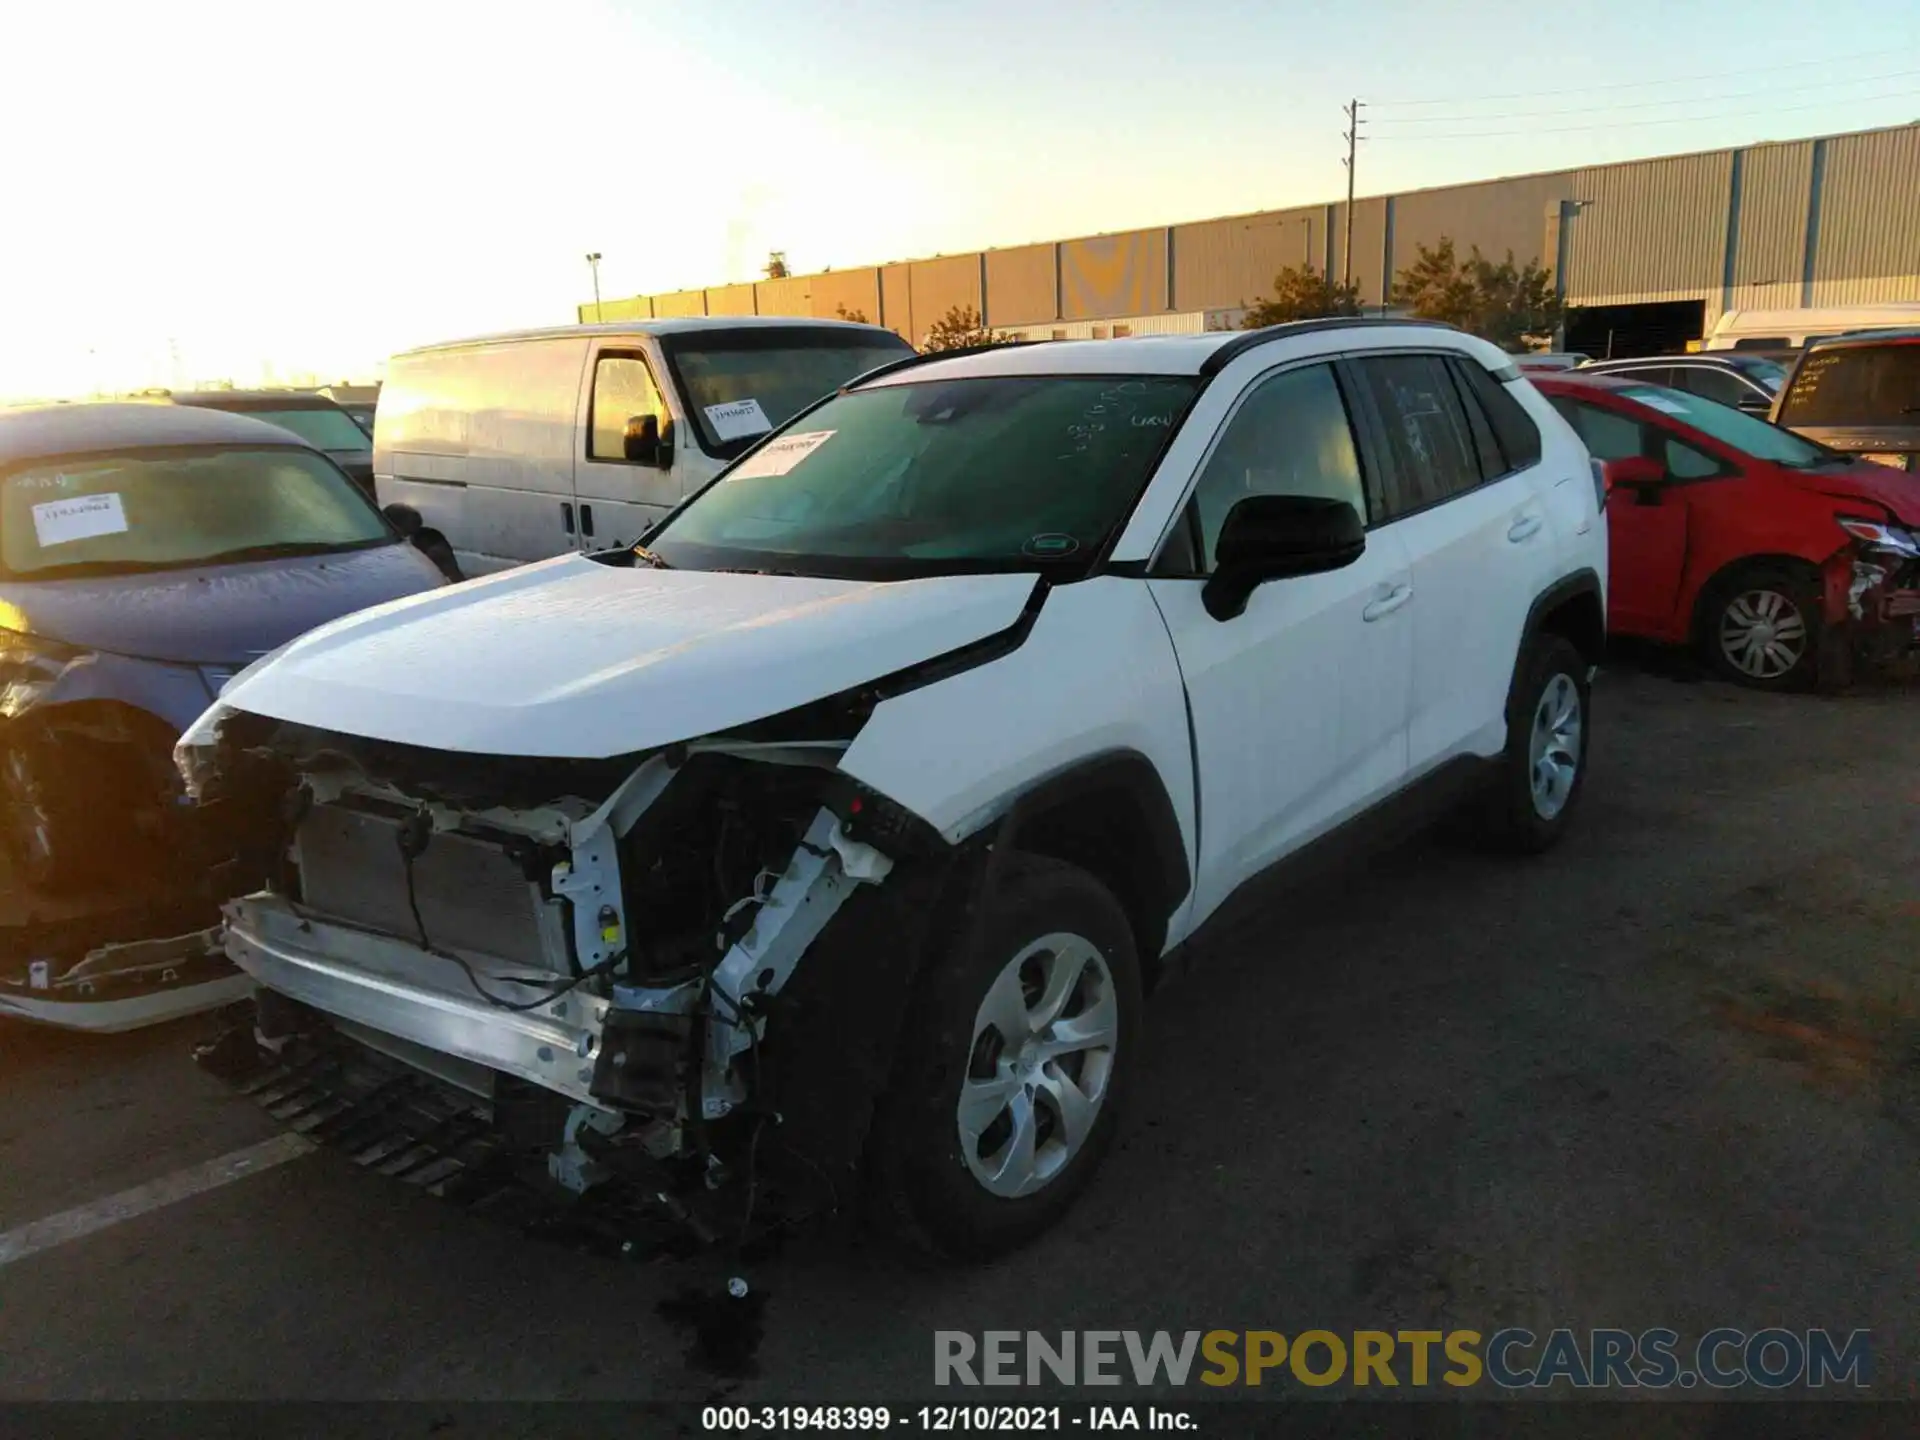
(1647, 254)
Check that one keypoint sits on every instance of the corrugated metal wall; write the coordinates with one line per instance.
(1232, 262)
(1869, 237)
(680, 303)
(791, 296)
(1770, 238)
(1498, 216)
(1114, 274)
(1650, 230)
(939, 285)
(1020, 285)
(896, 300)
(731, 300)
(857, 290)
(1655, 230)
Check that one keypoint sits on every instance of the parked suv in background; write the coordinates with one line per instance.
(1746, 382)
(314, 418)
(1859, 394)
(855, 810)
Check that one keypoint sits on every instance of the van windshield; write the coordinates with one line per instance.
(1026, 472)
(739, 384)
(1856, 385)
(178, 509)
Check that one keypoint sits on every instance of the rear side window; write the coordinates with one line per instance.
(1513, 428)
(1856, 385)
(1429, 440)
(1719, 386)
(623, 390)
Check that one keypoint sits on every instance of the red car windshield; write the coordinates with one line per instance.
(1733, 428)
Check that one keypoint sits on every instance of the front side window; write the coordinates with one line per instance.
(176, 509)
(323, 429)
(1290, 436)
(1427, 433)
(623, 390)
(938, 477)
(740, 384)
(1856, 385)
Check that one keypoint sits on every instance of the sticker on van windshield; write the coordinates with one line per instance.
(738, 419)
(61, 522)
(777, 457)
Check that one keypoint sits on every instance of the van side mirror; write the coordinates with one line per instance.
(645, 444)
(1277, 537)
(1643, 476)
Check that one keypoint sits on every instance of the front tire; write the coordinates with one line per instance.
(1014, 1065)
(1762, 628)
(1543, 769)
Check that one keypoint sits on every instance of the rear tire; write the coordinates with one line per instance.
(1014, 1066)
(1543, 769)
(1762, 627)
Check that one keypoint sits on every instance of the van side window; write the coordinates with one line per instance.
(622, 388)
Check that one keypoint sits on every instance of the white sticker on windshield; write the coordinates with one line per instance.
(61, 522)
(777, 457)
(1660, 402)
(737, 419)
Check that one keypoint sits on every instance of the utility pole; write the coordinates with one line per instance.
(1352, 136)
(593, 264)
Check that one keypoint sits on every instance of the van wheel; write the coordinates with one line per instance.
(1013, 1067)
(1544, 766)
(1762, 628)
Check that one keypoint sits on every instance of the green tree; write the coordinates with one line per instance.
(776, 266)
(1510, 304)
(960, 327)
(1301, 293)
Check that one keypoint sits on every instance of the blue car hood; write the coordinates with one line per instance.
(217, 615)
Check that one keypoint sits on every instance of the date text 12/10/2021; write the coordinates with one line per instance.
(938, 1419)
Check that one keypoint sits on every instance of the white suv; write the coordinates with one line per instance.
(834, 834)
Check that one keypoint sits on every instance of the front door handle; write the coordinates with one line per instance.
(1525, 528)
(1388, 603)
(586, 520)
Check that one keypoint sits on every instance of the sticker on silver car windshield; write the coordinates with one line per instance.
(738, 419)
(86, 517)
(777, 457)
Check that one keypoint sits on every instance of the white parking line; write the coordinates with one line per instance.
(32, 1238)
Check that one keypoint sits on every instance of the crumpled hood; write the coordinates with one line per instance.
(574, 658)
(220, 614)
(1894, 490)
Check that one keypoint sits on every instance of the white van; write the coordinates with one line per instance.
(528, 445)
(1787, 330)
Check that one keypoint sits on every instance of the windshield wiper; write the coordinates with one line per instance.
(641, 553)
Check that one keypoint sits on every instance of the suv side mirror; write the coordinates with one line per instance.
(1643, 476)
(645, 444)
(1752, 404)
(1276, 537)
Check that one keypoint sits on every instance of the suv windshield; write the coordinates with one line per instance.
(781, 371)
(939, 477)
(326, 429)
(1856, 385)
(170, 510)
(1748, 434)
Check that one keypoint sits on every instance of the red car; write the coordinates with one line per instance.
(1781, 560)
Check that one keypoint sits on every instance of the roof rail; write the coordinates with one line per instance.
(921, 357)
(1248, 340)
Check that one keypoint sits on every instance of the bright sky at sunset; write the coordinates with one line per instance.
(196, 191)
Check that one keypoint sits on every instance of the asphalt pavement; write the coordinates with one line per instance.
(1668, 1075)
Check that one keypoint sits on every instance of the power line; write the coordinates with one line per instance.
(1645, 84)
(1665, 120)
(1642, 104)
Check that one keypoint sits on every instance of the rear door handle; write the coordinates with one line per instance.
(586, 520)
(1388, 603)
(1525, 528)
(566, 515)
